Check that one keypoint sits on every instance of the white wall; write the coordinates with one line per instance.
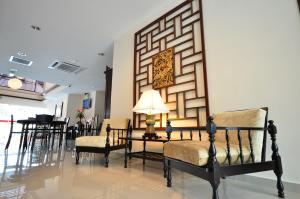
(22, 102)
(252, 60)
(74, 102)
(99, 104)
(97, 107)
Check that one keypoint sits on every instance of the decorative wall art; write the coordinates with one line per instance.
(169, 56)
(163, 69)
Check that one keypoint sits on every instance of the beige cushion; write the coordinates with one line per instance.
(244, 118)
(96, 141)
(100, 141)
(196, 152)
(91, 141)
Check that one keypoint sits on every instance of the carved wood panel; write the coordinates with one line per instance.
(181, 30)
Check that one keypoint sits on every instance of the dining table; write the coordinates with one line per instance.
(56, 125)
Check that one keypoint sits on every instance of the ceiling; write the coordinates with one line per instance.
(71, 30)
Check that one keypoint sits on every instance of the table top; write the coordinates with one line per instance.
(160, 139)
(33, 121)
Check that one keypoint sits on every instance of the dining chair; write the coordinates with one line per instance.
(69, 131)
(11, 132)
(42, 129)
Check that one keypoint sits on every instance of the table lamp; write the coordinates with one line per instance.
(150, 103)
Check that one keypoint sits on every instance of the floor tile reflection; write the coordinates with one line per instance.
(53, 174)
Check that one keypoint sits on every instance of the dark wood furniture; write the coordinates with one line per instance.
(108, 76)
(144, 154)
(111, 133)
(213, 171)
(11, 132)
(42, 129)
(57, 126)
(150, 155)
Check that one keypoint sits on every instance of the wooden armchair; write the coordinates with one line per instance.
(236, 145)
(107, 141)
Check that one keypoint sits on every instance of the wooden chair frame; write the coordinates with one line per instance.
(108, 147)
(213, 171)
(11, 132)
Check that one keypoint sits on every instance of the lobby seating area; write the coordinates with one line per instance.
(164, 99)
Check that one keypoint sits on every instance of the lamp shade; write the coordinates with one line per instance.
(150, 103)
(14, 83)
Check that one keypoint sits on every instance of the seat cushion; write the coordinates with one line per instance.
(96, 141)
(196, 152)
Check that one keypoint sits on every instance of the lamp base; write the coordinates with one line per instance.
(150, 130)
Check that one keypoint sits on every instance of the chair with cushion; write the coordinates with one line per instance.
(108, 140)
(236, 145)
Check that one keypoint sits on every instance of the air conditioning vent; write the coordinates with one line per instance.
(66, 67)
(21, 61)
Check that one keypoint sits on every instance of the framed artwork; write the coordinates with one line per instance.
(163, 69)
(299, 4)
(58, 110)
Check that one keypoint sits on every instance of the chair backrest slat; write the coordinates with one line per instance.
(243, 118)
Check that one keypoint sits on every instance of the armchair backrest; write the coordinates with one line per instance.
(44, 118)
(115, 123)
(244, 118)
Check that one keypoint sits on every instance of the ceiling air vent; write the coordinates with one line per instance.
(66, 67)
(21, 61)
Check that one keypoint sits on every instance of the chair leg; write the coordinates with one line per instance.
(21, 140)
(280, 186)
(215, 179)
(165, 169)
(215, 193)
(66, 140)
(8, 141)
(106, 158)
(33, 140)
(169, 174)
(53, 139)
(60, 139)
(276, 158)
(278, 172)
(77, 157)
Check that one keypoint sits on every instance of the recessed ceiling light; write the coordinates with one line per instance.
(22, 54)
(34, 27)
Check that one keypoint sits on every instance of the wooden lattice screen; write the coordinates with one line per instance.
(180, 30)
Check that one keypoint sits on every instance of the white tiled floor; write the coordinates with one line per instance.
(53, 174)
